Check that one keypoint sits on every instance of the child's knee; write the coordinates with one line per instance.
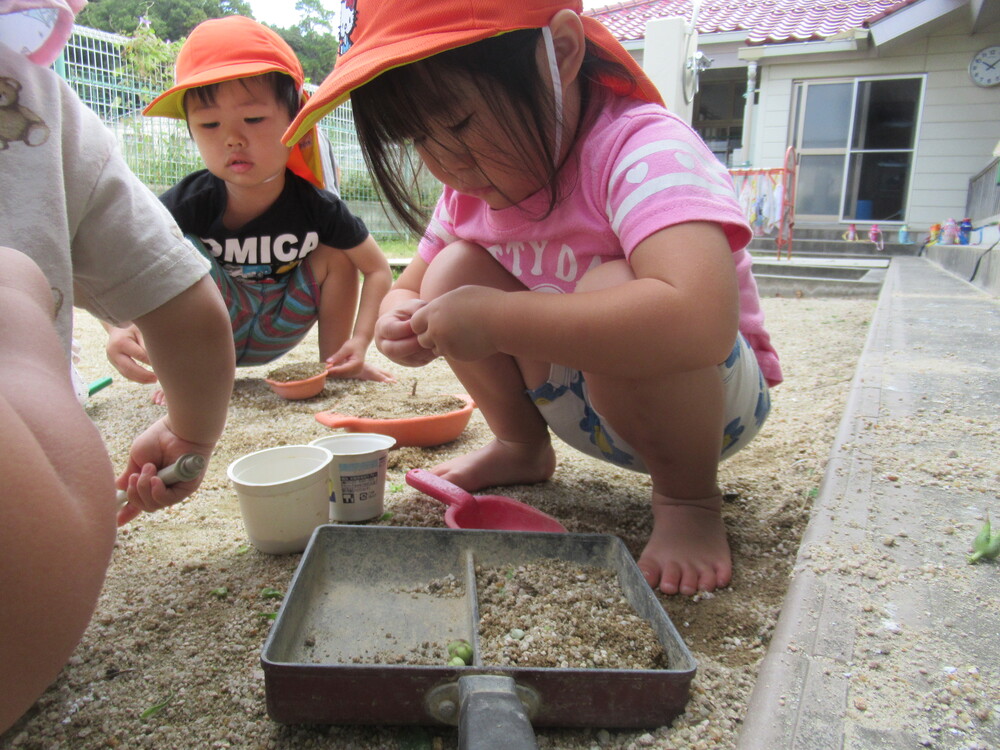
(462, 263)
(20, 272)
(328, 262)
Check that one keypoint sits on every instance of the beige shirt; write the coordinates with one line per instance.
(70, 202)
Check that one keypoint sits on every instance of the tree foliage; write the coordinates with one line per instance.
(312, 38)
(169, 19)
(317, 52)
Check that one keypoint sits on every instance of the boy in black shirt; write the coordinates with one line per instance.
(285, 253)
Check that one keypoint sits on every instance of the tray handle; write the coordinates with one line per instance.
(491, 715)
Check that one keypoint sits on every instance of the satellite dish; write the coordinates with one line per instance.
(695, 61)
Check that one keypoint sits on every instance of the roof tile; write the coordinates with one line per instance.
(764, 21)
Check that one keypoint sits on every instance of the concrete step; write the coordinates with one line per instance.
(833, 246)
(817, 286)
(837, 232)
(819, 275)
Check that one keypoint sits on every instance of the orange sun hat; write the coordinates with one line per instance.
(228, 48)
(378, 35)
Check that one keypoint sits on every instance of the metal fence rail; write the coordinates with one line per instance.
(983, 201)
(160, 150)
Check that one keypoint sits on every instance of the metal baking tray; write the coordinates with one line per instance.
(352, 596)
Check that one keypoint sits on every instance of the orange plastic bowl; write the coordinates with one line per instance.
(295, 390)
(420, 432)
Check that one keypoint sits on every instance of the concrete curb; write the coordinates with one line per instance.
(932, 334)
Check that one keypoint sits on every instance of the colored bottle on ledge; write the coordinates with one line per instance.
(949, 233)
(965, 231)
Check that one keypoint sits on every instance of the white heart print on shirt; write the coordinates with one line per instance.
(637, 173)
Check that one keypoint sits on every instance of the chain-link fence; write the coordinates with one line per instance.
(160, 150)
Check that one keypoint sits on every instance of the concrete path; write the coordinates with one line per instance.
(888, 638)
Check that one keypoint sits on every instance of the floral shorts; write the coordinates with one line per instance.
(269, 319)
(565, 404)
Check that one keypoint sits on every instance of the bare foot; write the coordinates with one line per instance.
(500, 463)
(158, 398)
(687, 551)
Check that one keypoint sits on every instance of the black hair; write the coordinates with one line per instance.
(398, 106)
(282, 84)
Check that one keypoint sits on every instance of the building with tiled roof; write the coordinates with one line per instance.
(884, 102)
(760, 21)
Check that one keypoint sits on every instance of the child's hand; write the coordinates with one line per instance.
(395, 338)
(349, 362)
(125, 350)
(157, 447)
(453, 325)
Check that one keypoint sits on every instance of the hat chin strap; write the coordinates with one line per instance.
(550, 53)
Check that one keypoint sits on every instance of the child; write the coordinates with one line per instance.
(105, 243)
(58, 494)
(86, 232)
(284, 253)
(584, 269)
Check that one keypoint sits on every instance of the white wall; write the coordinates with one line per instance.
(959, 123)
(667, 44)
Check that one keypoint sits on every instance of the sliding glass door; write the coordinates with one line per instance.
(855, 140)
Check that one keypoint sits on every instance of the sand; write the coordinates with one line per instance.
(171, 658)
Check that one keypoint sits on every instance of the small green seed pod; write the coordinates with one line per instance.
(982, 539)
(462, 650)
(993, 548)
(981, 544)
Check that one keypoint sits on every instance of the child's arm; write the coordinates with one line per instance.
(394, 335)
(190, 344)
(369, 259)
(57, 506)
(680, 313)
(125, 350)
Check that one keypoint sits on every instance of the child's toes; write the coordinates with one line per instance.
(691, 581)
(723, 575)
(711, 578)
(650, 571)
(666, 578)
(706, 580)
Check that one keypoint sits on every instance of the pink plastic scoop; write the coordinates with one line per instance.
(466, 511)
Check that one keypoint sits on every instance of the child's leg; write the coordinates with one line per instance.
(339, 289)
(521, 451)
(675, 425)
(57, 507)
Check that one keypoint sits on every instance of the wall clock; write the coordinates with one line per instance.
(984, 70)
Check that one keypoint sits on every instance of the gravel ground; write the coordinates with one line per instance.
(172, 656)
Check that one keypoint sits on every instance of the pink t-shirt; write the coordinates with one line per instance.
(638, 170)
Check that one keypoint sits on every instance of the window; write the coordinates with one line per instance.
(718, 111)
(855, 141)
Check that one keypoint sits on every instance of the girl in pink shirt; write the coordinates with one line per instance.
(584, 269)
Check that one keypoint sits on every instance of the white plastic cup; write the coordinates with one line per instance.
(357, 473)
(284, 495)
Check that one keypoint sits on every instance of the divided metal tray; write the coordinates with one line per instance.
(353, 595)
